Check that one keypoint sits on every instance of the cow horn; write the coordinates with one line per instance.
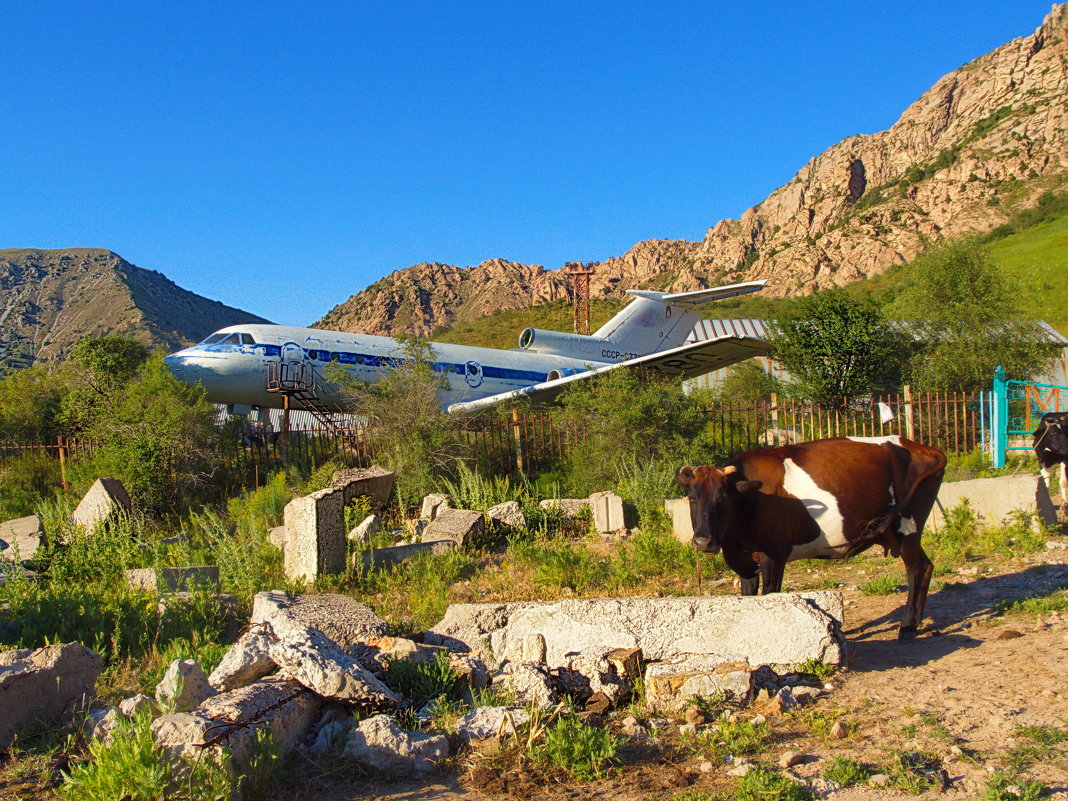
(729, 469)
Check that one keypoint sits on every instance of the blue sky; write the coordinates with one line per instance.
(281, 156)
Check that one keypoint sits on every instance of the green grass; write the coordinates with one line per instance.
(761, 785)
(845, 771)
(421, 682)
(882, 585)
(1003, 787)
(733, 739)
(1037, 744)
(581, 750)
(1055, 601)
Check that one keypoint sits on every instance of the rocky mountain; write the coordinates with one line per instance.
(49, 299)
(985, 140)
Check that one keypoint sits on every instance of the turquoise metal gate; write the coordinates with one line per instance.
(1018, 407)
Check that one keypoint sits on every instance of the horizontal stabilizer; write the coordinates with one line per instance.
(686, 361)
(701, 296)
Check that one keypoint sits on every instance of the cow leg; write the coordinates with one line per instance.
(751, 586)
(771, 571)
(919, 569)
(1064, 484)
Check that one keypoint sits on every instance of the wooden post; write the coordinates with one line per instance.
(910, 431)
(285, 420)
(518, 441)
(62, 449)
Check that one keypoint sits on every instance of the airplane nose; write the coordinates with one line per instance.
(177, 364)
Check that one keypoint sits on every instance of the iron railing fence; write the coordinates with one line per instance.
(530, 442)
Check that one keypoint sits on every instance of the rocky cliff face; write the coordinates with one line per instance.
(985, 139)
(49, 299)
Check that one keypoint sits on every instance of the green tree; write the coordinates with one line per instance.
(835, 346)
(964, 310)
(30, 403)
(97, 370)
(747, 383)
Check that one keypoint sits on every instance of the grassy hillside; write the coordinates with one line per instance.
(1038, 258)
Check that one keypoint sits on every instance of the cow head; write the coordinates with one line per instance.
(1052, 434)
(715, 495)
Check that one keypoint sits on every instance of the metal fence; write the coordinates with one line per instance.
(534, 441)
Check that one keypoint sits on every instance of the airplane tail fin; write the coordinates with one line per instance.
(658, 321)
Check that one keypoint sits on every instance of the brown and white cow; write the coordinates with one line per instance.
(826, 499)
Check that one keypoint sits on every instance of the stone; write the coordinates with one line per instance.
(44, 683)
(1052, 545)
(329, 735)
(741, 769)
(284, 707)
(584, 677)
(569, 507)
(530, 682)
(669, 686)
(20, 539)
(433, 504)
(277, 537)
(484, 722)
(627, 662)
(530, 648)
(184, 686)
(247, 660)
(507, 515)
(343, 619)
(630, 727)
(791, 758)
(607, 512)
(173, 579)
(371, 524)
(687, 729)
(387, 558)
(415, 528)
(681, 522)
(106, 498)
(879, 780)
(102, 723)
(462, 526)
(731, 629)
(995, 499)
(391, 649)
(374, 482)
(128, 707)
(470, 670)
(316, 544)
(839, 731)
(380, 744)
(693, 714)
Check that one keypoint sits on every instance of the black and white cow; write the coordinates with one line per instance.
(1050, 442)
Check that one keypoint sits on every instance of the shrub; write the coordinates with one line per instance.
(845, 771)
(421, 682)
(761, 785)
(582, 750)
(881, 585)
(734, 739)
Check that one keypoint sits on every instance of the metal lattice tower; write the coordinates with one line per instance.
(580, 273)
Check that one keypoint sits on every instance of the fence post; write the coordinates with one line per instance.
(61, 446)
(518, 441)
(910, 432)
(999, 418)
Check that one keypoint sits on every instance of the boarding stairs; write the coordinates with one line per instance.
(298, 381)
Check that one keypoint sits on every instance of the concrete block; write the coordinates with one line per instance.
(316, 542)
(433, 504)
(44, 683)
(184, 686)
(277, 537)
(387, 558)
(247, 660)
(106, 498)
(508, 514)
(670, 685)
(570, 507)
(371, 524)
(778, 629)
(373, 482)
(232, 719)
(681, 522)
(382, 746)
(173, 579)
(462, 526)
(607, 512)
(342, 618)
(994, 499)
(21, 538)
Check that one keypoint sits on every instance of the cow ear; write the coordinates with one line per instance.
(685, 476)
(748, 486)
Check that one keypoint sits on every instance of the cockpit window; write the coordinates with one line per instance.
(247, 339)
(232, 339)
(213, 339)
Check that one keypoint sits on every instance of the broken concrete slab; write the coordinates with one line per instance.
(670, 685)
(392, 649)
(386, 558)
(507, 515)
(462, 526)
(173, 579)
(681, 522)
(374, 482)
(341, 618)
(184, 686)
(995, 499)
(231, 720)
(316, 544)
(627, 662)
(20, 539)
(371, 524)
(569, 507)
(105, 499)
(434, 504)
(247, 660)
(484, 722)
(735, 629)
(277, 537)
(44, 683)
(607, 512)
(530, 681)
(584, 677)
(380, 744)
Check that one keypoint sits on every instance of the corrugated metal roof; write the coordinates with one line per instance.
(744, 327)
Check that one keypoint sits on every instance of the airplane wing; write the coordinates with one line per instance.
(686, 361)
(701, 296)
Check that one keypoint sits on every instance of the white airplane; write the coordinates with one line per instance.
(246, 365)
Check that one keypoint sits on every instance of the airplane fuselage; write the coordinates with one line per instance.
(233, 369)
